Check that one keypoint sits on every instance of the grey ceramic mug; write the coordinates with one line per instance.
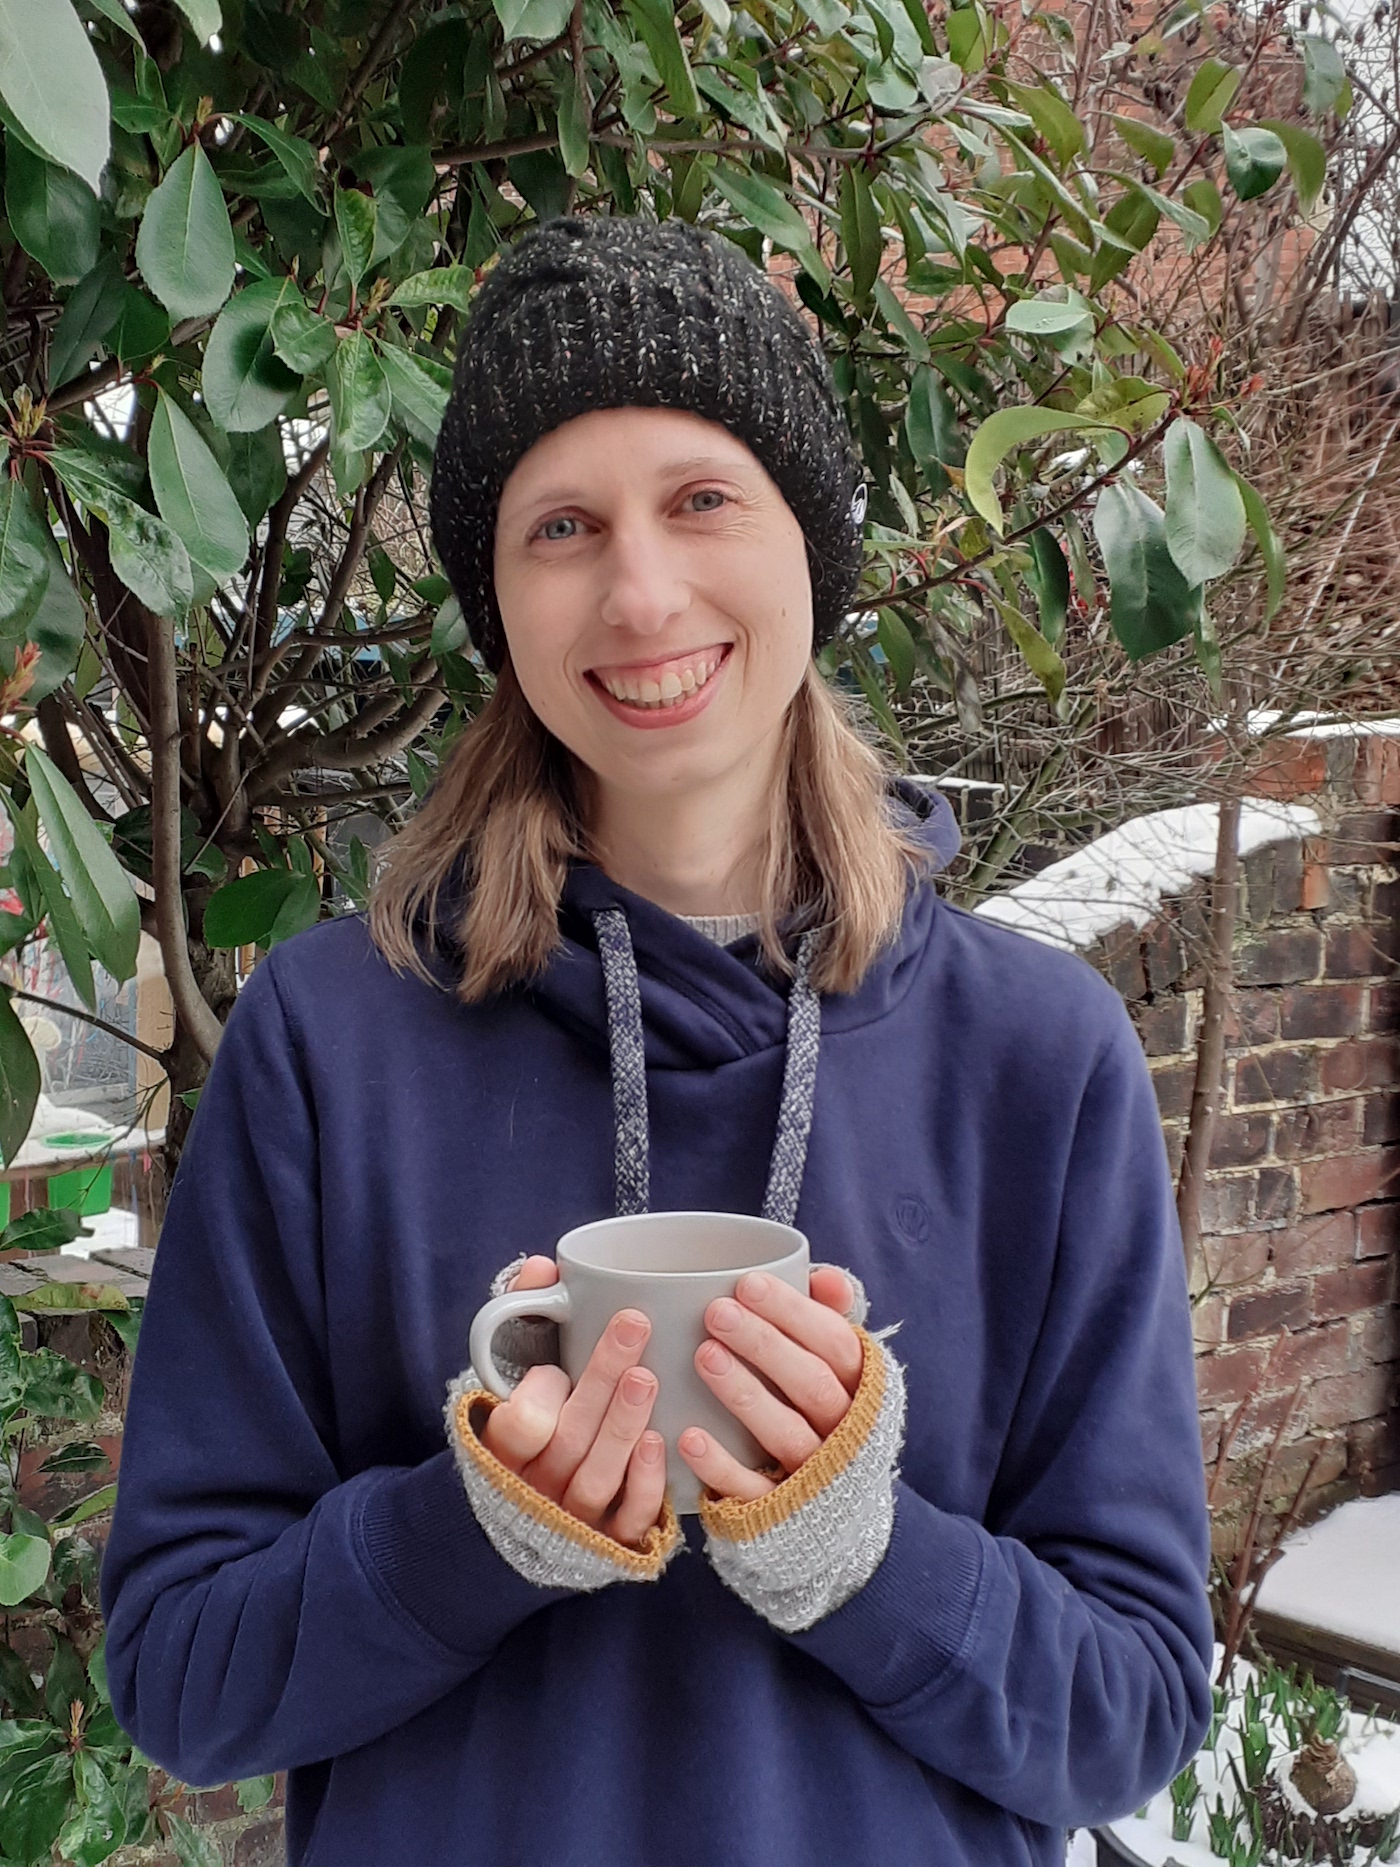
(671, 1266)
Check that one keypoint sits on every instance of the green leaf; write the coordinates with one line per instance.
(204, 16)
(892, 633)
(359, 392)
(1053, 119)
(54, 1389)
(1205, 517)
(192, 495)
(574, 116)
(1211, 94)
(1254, 160)
(1307, 162)
(355, 218)
(246, 385)
(243, 913)
(93, 1505)
(24, 1566)
(1203, 198)
(892, 309)
(1324, 74)
(656, 22)
(304, 340)
(532, 19)
(257, 471)
(1150, 603)
(148, 557)
(1039, 656)
(54, 215)
(1150, 144)
(1048, 317)
(117, 13)
(994, 440)
(861, 232)
(931, 422)
(298, 158)
(1050, 583)
(1270, 548)
(25, 567)
(63, 925)
(764, 206)
(51, 80)
(418, 402)
(19, 1080)
(36, 1804)
(141, 329)
(450, 635)
(876, 700)
(193, 1847)
(97, 1827)
(967, 38)
(107, 909)
(255, 1792)
(442, 285)
(300, 909)
(91, 311)
(78, 1456)
(185, 244)
(44, 1230)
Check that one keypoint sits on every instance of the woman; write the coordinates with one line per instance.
(663, 935)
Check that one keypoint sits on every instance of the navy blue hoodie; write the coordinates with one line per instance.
(295, 1579)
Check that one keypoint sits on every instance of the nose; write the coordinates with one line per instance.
(642, 586)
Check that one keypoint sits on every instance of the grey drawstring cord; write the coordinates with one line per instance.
(629, 1079)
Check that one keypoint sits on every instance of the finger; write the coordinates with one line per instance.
(619, 1348)
(778, 1428)
(590, 1492)
(719, 1469)
(644, 1490)
(535, 1273)
(521, 1427)
(832, 1287)
(811, 1385)
(808, 1323)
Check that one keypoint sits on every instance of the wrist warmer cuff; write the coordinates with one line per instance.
(537, 1537)
(797, 1553)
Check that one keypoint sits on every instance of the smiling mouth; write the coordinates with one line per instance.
(663, 684)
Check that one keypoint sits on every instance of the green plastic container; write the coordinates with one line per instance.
(87, 1190)
(4, 1203)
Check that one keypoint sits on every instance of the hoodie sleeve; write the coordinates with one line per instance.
(263, 1610)
(1054, 1658)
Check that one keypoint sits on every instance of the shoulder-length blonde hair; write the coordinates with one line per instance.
(506, 806)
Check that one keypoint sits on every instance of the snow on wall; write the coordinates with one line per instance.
(1341, 1575)
(1126, 874)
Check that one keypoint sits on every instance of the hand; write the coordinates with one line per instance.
(804, 1347)
(588, 1449)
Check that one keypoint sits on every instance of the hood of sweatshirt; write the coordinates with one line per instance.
(705, 1005)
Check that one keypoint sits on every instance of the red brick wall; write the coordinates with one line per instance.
(1297, 1288)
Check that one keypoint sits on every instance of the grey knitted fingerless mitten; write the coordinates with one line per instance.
(537, 1537)
(796, 1554)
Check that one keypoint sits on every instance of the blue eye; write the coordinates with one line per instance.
(548, 529)
(710, 493)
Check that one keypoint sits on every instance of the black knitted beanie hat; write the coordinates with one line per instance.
(623, 313)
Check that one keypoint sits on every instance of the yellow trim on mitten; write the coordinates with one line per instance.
(740, 1522)
(643, 1564)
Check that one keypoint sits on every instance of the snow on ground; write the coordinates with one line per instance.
(1343, 1574)
(1082, 1851)
(1370, 1744)
(1126, 874)
(1309, 725)
(108, 1229)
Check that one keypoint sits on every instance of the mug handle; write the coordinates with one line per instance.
(552, 1303)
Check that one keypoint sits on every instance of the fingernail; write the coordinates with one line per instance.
(631, 1330)
(695, 1444)
(718, 1360)
(636, 1385)
(725, 1315)
(754, 1287)
(651, 1449)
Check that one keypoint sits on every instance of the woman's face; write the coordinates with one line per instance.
(654, 589)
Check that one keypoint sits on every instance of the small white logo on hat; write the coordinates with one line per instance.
(860, 499)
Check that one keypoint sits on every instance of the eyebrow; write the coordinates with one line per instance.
(563, 493)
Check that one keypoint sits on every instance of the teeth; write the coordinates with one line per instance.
(669, 692)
